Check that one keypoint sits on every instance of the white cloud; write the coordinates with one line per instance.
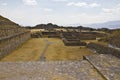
(118, 5)
(48, 9)
(94, 5)
(79, 4)
(112, 13)
(106, 10)
(83, 4)
(70, 3)
(30, 2)
(114, 10)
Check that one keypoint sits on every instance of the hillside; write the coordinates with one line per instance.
(113, 38)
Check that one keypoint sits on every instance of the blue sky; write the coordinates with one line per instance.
(61, 12)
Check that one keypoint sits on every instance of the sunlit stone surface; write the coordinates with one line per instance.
(48, 71)
(107, 65)
(94, 67)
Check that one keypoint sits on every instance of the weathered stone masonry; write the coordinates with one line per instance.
(10, 39)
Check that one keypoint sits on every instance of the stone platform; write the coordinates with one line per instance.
(107, 65)
(94, 67)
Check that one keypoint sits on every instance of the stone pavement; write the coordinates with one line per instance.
(107, 65)
(48, 71)
(94, 67)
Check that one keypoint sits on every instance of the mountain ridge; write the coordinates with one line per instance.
(108, 24)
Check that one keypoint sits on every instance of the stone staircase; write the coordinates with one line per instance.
(94, 67)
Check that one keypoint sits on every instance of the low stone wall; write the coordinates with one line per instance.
(11, 41)
(73, 42)
(77, 35)
(103, 49)
(87, 37)
(50, 34)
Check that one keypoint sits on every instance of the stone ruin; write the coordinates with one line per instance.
(51, 34)
(88, 35)
(74, 38)
(45, 34)
(102, 66)
(11, 39)
(36, 35)
(70, 39)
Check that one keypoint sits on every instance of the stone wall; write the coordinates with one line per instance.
(10, 39)
(81, 36)
(70, 39)
(103, 49)
(51, 34)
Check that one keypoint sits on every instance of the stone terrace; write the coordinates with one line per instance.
(94, 67)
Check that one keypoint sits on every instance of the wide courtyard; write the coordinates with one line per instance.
(52, 48)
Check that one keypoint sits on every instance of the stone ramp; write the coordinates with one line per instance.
(65, 70)
(107, 65)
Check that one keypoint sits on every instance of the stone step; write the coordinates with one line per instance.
(107, 65)
(57, 70)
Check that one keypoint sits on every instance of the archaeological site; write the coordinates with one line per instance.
(52, 52)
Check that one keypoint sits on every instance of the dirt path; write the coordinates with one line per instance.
(43, 57)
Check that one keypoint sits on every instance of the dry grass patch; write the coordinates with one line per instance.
(29, 51)
(96, 41)
(57, 51)
(33, 48)
(37, 30)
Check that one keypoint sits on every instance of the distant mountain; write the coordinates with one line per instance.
(49, 25)
(110, 25)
